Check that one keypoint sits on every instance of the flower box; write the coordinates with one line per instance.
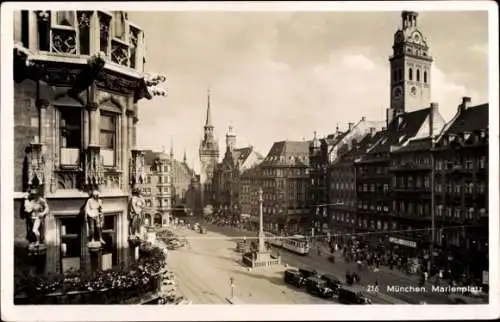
(102, 287)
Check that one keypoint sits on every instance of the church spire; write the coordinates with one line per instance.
(171, 148)
(184, 159)
(208, 122)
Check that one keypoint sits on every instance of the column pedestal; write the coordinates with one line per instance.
(95, 249)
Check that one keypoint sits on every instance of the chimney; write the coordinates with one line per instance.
(363, 118)
(350, 124)
(433, 110)
(372, 131)
(465, 103)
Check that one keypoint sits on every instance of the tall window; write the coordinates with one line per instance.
(70, 229)
(410, 74)
(108, 138)
(63, 32)
(70, 135)
(418, 75)
(425, 77)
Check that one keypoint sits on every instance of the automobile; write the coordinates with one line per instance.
(306, 273)
(243, 247)
(318, 286)
(349, 295)
(294, 277)
(174, 244)
(333, 282)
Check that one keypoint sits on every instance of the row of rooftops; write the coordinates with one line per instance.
(401, 135)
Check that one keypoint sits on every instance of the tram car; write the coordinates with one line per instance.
(273, 240)
(296, 244)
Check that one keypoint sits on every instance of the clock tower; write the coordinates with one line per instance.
(410, 68)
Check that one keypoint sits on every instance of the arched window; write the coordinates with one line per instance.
(410, 74)
(425, 76)
(418, 75)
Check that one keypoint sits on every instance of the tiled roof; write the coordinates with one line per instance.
(251, 172)
(400, 129)
(361, 147)
(332, 139)
(288, 153)
(471, 119)
(179, 164)
(416, 145)
(242, 153)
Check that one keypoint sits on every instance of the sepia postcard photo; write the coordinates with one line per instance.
(249, 161)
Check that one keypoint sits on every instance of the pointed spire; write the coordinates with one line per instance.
(208, 122)
(184, 159)
(171, 148)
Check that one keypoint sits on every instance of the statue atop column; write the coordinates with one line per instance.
(94, 218)
(135, 213)
(36, 208)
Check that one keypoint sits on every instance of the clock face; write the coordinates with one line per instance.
(413, 90)
(397, 92)
(416, 38)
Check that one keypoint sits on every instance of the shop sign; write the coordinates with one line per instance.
(403, 242)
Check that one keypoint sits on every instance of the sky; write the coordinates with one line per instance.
(283, 75)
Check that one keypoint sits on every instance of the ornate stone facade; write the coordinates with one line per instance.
(75, 119)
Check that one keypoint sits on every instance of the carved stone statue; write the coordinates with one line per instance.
(94, 217)
(36, 208)
(135, 213)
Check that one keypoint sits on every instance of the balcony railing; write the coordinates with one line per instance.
(82, 33)
(63, 41)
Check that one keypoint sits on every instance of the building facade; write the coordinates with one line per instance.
(250, 182)
(78, 78)
(226, 181)
(392, 177)
(284, 177)
(461, 192)
(325, 185)
(342, 185)
(182, 175)
(157, 188)
(209, 158)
